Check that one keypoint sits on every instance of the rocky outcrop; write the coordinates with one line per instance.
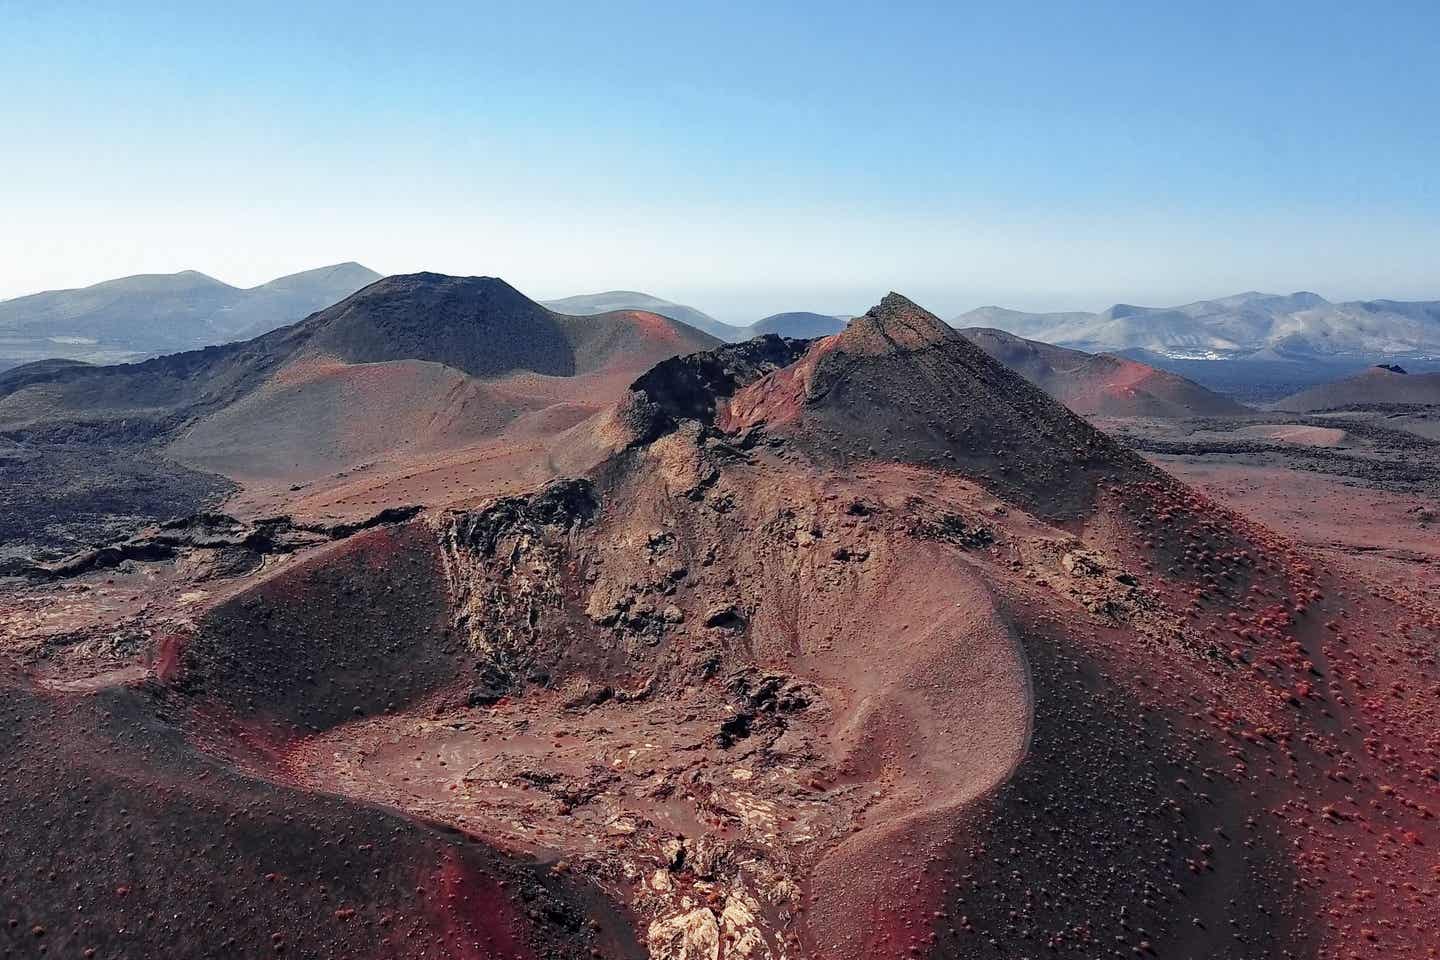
(506, 567)
(242, 543)
(691, 387)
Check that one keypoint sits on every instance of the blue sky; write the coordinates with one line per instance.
(743, 157)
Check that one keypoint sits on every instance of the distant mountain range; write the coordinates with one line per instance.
(148, 315)
(1249, 326)
(135, 317)
(798, 324)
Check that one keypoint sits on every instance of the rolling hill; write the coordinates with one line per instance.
(1099, 384)
(163, 313)
(1377, 385)
(799, 324)
(586, 304)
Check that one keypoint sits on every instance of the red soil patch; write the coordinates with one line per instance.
(1380, 535)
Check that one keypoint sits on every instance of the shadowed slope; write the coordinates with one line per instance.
(478, 325)
(136, 844)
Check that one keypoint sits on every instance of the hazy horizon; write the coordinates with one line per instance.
(745, 160)
(741, 307)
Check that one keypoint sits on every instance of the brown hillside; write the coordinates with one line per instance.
(899, 384)
(1377, 385)
(1099, 385)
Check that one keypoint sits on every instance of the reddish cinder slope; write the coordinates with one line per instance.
(1099, 385)
(900, 384)
(415, 366)
(161, 818)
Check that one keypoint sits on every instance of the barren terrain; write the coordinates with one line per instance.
(861, 646)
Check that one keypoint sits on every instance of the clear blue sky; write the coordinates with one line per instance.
(743, 157)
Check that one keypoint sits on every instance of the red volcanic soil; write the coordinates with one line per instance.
(1099, 385)
(123, 840)
(862, 647)
(1392, 538)
(1375, 385)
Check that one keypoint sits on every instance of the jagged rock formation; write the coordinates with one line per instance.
(241, 545)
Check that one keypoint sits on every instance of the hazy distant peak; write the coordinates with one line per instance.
(349, 274)
(158, 282)
(586, 303)
(150, 313)
(1251, 324)
(589, 304)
